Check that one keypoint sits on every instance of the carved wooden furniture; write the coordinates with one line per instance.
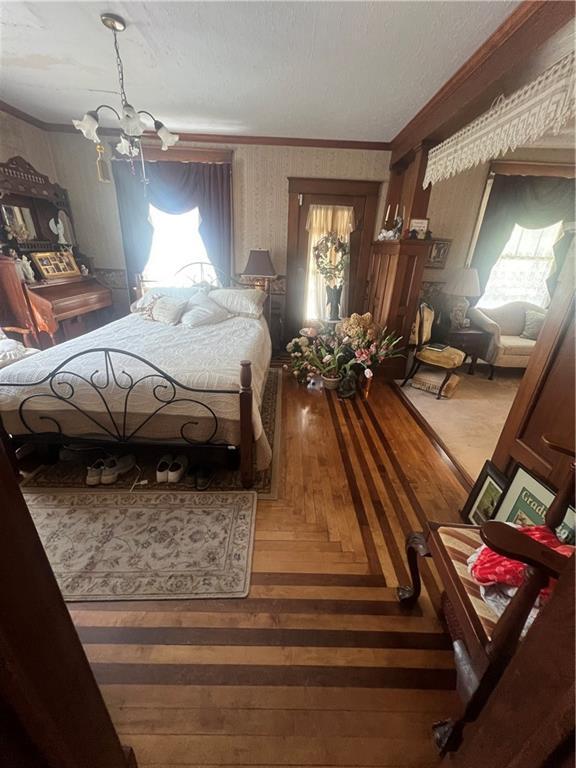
(15, 313)
(394, 281)
(483, 644)
(447, 359)
(57, 307)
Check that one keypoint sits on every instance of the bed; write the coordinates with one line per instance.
(139, 381)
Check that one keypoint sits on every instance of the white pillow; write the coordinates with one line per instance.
(173, 291)
(240, 301)
(163, 309)
(11, 351)
(202, 310)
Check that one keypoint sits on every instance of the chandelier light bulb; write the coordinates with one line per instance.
(168, 139)
(88, 126)
(125, 147)
(131, 123)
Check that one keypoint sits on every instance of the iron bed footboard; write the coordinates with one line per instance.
(63, 384)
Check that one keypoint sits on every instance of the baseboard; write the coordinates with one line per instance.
(440, 446)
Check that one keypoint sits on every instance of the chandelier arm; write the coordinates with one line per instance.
(145, 112)
(107, 106)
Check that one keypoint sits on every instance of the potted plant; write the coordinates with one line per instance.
(343, 356)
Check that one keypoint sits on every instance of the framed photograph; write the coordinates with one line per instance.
(484, 497)
(421, 227)
(56, 264)
(526, 502)
(438, 254)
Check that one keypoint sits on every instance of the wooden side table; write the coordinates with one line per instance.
(472, 341)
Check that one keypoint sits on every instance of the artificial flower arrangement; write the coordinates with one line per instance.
(338, 355)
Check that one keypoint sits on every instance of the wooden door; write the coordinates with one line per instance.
(360, 195)
(544, 404)
(51, 710)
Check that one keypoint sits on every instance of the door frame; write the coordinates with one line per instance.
(370, 191)
(54, 712)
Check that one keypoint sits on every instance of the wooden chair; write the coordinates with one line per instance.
(483, 644)
(447, 359)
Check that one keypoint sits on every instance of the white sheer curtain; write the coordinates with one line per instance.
(323, 219)
(526, 262)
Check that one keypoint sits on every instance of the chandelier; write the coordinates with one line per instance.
(131, 124)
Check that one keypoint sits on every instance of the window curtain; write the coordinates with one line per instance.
(533, 202)
(137, 230)
(323, 219)
(175, 188)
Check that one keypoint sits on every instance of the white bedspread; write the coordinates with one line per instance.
(207, 357)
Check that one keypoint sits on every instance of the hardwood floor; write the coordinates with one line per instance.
(319, 665)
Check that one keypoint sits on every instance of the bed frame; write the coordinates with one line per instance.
(113, 371)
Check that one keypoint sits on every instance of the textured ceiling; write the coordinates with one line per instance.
(344, 70)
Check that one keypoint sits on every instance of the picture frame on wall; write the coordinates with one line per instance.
(484, 497)
(526, 502)
(438, 254)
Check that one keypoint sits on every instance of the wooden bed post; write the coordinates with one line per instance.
(246, 428)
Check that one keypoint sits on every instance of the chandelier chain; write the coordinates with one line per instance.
(120, 67)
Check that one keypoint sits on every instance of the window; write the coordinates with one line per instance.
(176, 242)
(525, 264)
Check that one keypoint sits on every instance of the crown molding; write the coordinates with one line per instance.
(211, 138)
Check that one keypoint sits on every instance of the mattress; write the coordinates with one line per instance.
(106, 396)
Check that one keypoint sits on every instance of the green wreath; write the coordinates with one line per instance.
(331, 272)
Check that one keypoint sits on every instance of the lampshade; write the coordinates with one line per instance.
(259, 265)
(464, 282)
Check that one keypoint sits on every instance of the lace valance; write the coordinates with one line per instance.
(541, 107)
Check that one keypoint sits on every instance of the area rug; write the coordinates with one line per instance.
(470, 422)
(147, 546)
(71, 474)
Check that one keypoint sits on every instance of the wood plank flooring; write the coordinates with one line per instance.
(319, 665)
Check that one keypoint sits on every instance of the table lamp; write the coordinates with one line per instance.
(261, 271)
(463, 285)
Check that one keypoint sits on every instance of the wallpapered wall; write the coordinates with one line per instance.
(260, 187)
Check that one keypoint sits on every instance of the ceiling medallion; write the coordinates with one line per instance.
(131, 124)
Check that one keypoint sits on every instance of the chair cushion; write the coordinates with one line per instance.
(460, 543)
(443, 358)
(516, 345)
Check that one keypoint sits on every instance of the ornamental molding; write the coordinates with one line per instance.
(543, 106)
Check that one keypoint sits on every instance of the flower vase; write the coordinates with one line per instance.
(366, 388)
(331, 382)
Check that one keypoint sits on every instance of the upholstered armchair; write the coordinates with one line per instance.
(507, 348)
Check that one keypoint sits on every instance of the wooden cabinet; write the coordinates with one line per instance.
(394, 282)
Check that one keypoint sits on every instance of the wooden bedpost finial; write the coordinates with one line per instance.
(245, 375)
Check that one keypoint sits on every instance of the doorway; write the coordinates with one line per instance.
(330, 224)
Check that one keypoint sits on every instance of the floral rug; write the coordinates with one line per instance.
(71, 474)
(147, 546)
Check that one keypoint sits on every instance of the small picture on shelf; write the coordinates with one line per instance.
(420, 226)
(56, 264)
(438, 254)
(484, 497)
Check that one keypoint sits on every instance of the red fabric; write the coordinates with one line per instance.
(491, 568)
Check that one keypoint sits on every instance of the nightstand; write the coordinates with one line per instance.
(472, 341)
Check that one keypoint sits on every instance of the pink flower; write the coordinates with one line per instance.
(363, 355)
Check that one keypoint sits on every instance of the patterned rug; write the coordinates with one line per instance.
(71, 474)
(147, 546)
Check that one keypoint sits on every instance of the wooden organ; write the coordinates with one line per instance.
(36, 218)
